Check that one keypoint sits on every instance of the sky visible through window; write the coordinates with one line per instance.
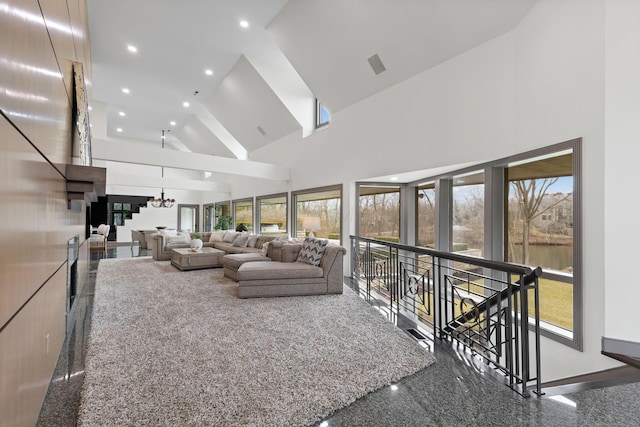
(564, 185)
(323, 115)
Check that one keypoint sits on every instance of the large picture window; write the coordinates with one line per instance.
(318, 211)
(379, 212)
(541, 231)
(209, 214)
(426, 215)
(222, 218)
(468, 214)
(272, 211)
(243, 214)
(533, 199)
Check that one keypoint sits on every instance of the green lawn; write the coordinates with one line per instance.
(556, 303)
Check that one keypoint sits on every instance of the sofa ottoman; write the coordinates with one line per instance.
(260, 279)
(231, 263)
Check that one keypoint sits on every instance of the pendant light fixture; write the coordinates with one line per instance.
(162, 202)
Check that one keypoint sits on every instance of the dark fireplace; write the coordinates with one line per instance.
(72, 271)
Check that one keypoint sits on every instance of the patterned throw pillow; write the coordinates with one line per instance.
(312, 250)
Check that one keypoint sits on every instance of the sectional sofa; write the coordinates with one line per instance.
(284, 272)
(265, 266)
(231, 242)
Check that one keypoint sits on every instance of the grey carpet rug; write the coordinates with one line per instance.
(179, 348)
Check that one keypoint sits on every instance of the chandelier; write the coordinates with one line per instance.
(162, 202)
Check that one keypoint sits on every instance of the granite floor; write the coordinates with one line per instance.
(456, 390)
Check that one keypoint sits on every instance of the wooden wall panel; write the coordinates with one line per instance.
(33, 95)
(35, 222)
(29, 349)
(56, 17)
(33, 211)
(83, 41)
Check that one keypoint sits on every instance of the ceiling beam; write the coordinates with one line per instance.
(222, 134)
(166, 182)
(143, 154)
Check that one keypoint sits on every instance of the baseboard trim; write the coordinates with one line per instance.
(621, 347)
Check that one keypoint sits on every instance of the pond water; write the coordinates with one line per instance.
(553, 257)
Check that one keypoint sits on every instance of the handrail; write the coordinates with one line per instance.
(471, 300)
(507, 267)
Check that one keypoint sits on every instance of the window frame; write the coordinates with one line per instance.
(416, 195)
(234, 204)
(208, 217)
(294, 204)
(258, 213)
(196, 212)
(496, 200)
(400, 188)
(318, 122)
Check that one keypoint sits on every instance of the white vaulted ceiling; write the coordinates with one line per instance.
(330, 41)
(244, 102)
(266, 75)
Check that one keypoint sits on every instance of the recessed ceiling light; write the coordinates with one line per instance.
(125, 90)
(208, 72)
(185, 104)
(172, 123)
(132, 48)
(119, 130)
(394, 178)
(244, 24)
(90, 108)
(121, 114)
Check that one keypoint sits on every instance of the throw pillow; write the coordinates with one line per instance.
(265, 249)
(169, 232)
(229, 236)
(216, 236)
(178, 239)
(253, 238)
(312, 250)
(241, 240)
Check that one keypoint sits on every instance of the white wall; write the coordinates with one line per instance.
(403, 128)
(149, 218)
(621, 154)
(560, 96)
(541, 84)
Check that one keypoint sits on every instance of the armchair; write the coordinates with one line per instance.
(98, 241)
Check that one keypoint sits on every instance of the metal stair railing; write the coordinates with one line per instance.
(490, 307)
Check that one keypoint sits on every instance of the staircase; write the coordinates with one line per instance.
(148, 219)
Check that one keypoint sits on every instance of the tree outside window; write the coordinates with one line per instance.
(468, 214)
(380, 212)
(540, 231)
(323, 205)
(426, 215)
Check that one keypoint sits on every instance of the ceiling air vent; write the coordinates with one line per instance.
(376, 64)
(261, 130)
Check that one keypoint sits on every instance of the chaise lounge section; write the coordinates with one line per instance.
(282, 273)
